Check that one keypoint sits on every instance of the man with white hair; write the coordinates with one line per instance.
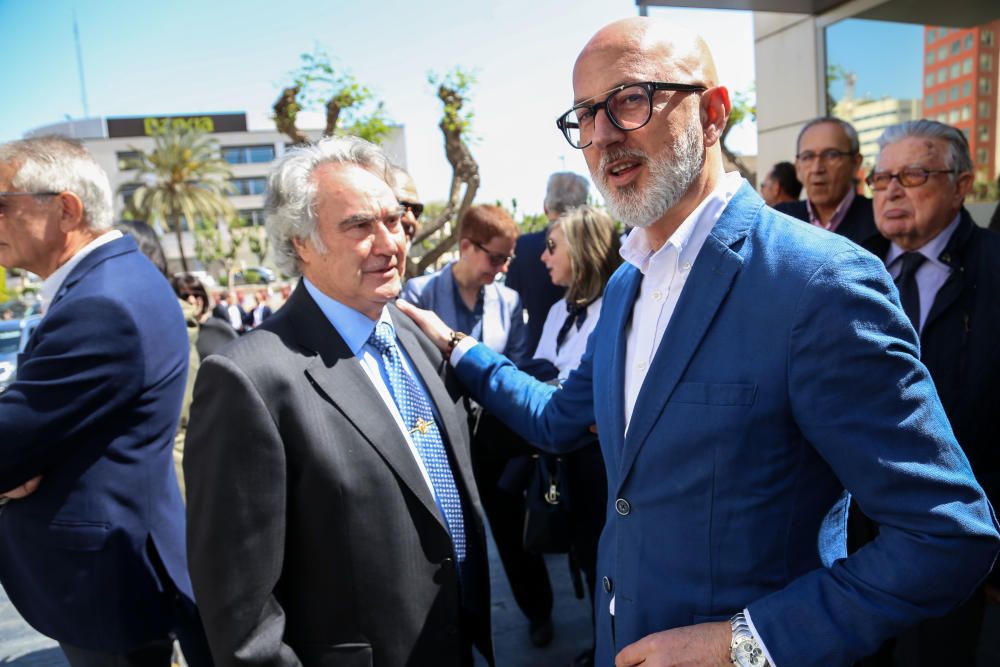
(946, 269)
(333, 514)
(745, 370)
(92, 548)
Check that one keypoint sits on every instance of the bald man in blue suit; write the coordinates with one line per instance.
(745, 371)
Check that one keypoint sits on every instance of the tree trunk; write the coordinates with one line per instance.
(176, 222)
(285, 111)
(332, 114)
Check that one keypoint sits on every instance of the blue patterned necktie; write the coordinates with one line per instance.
(418, 417)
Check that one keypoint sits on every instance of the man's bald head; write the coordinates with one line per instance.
(652, 49)
(650, 114)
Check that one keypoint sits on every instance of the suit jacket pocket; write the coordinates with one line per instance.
(704, 393)
(354, 654)
(77, 535)
(710, 618)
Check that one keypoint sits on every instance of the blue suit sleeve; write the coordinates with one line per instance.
(868, 407)
(86, 364)
(552, 419)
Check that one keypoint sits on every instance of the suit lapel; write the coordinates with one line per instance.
(952, 255)
(706, 288)
(621, 313)
(339, 376)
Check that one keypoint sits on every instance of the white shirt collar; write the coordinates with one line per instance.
(637, 251)
(51, 285)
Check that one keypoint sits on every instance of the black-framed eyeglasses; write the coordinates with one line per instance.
(550, 244)
(827, 156)
(47, 193)
(908, 177)
(629, 107)
(416, 208)
(497, 259)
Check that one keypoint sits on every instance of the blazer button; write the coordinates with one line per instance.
(607, 585)
(448, 564)
(622, 507)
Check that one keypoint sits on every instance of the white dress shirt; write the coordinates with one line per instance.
(567, 357)
(51, 285)
(665, 273)
(930, 275)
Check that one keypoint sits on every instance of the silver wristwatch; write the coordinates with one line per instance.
(744, 650)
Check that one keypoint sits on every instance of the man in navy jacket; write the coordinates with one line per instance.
(92, 546)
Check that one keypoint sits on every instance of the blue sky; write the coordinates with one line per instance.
(886, 57)
(188, 56)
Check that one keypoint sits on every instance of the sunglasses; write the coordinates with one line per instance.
(413, 207)
(496, 259)
(550, 243)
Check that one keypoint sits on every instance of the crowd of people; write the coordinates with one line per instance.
(769, 420)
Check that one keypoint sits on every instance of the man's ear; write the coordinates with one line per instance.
(715, 108)
(302, 248)
(71, 215)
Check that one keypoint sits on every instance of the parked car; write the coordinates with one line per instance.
(14, 335)
(254, 275)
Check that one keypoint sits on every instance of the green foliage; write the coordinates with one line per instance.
(453, 89)
(4, 295)
(744, 106)
(184, 178)
(834, 74)
(320, 84)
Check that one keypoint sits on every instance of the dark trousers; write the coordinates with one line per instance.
(492, 448)
(588, 485)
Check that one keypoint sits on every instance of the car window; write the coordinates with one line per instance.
(10, 341)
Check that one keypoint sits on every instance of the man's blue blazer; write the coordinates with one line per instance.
(788, 372)
(86, 558)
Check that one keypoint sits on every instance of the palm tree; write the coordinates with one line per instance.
(183, 176)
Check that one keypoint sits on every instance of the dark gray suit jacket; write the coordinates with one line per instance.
(313, 537)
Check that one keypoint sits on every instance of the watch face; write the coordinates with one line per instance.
(749, 654)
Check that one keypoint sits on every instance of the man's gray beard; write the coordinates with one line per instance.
(670, 176)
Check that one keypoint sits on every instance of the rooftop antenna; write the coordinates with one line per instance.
(79, 66)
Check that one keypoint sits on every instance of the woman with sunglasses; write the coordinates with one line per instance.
(581, 253)
(464, 295)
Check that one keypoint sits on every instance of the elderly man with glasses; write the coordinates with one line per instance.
(827, 160)
(946, 270)
(746, 369)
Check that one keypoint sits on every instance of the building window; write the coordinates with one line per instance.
(966, 112)
(968, 42)
(930, 57)
(942, 53)
(986, 37)
(967, 66)
(956, 46)
(986, 62)
(126, 160)
(984, 109)
(956, 70)
(942, 118)
(942, 75)
(966, 89)
(953, 116)
(984, 133)
(954, 93)
(929, 101)
(982, 157)
(929, 80)
(253, 217)
(248, 154)
(942, 96)
(931, 35)
(249, 186)
(984, 85)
